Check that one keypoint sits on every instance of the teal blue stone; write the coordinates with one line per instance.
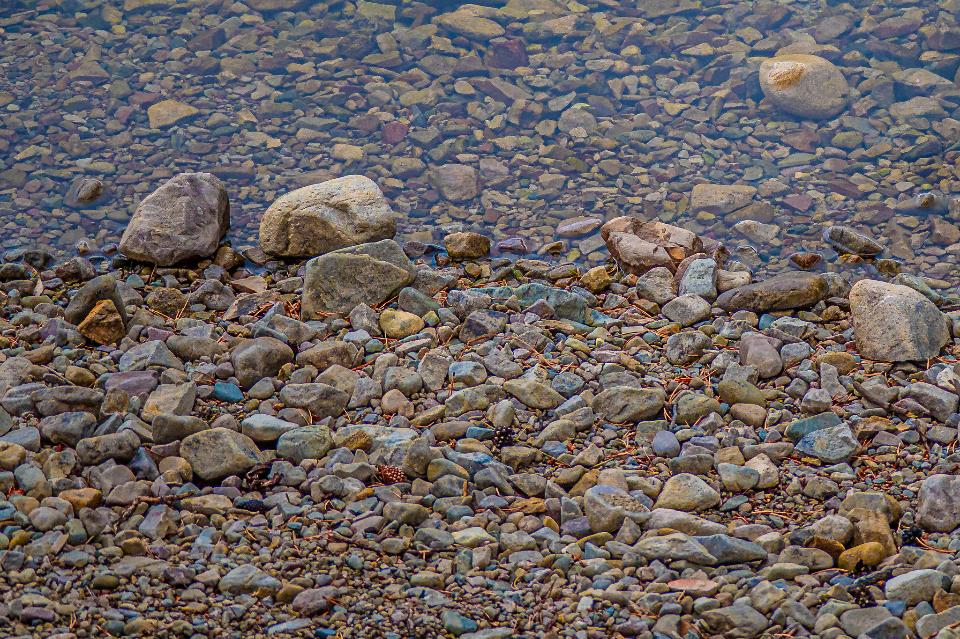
(803, 427)
(479, 432)
(457, 624)
(227, 392)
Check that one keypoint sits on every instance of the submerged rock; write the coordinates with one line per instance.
(846, 239)
(784, 291)
(804, 85)
(639, 246)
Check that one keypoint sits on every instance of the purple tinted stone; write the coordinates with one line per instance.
(134, 382)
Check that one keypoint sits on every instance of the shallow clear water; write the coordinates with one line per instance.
(561, 109)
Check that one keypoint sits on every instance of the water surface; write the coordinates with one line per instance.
(565, 113)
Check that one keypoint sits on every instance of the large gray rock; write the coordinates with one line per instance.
(119, 446)
(182, 220)
(894, 323)
(688, 493)
(340, 280)
(309, 442)
(322, 400)
(219, 452)
(804, 85)
(674, 547)
(831, 445)
(625, 404)
(320, 218)
(916, 586)
(250, 580)
(736, 621)
(607, 506)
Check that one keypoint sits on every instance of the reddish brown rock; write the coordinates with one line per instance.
(639, 246)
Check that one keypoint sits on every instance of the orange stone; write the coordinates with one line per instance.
(82, 498)
(103, 324)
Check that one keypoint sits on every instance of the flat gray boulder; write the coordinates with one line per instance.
(340, 280)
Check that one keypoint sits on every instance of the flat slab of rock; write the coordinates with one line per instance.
(169, 112)
(894, 323)
(720, 199)
(340, 280)
(324, 217)
(182, 220)
(781, 292)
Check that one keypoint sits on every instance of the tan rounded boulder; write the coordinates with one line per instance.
(804, 85)
(324, 217)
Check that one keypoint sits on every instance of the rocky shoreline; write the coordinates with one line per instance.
(423, 441)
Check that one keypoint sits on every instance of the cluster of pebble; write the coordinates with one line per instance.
(420, 441)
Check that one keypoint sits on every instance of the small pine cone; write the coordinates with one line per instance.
(503, 436)
(391, 474)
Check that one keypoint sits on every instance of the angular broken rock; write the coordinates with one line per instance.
(894, 323)
(103, 324)
(184, 219)
(99, 288)
(169, 112)
(639, 246)
(324, 217)
(466, 245)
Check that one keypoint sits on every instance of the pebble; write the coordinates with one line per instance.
(460, 402)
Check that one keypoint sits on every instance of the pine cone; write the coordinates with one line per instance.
(391, 474)
(504, 436)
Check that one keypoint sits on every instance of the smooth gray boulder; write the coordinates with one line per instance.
(804, 85)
